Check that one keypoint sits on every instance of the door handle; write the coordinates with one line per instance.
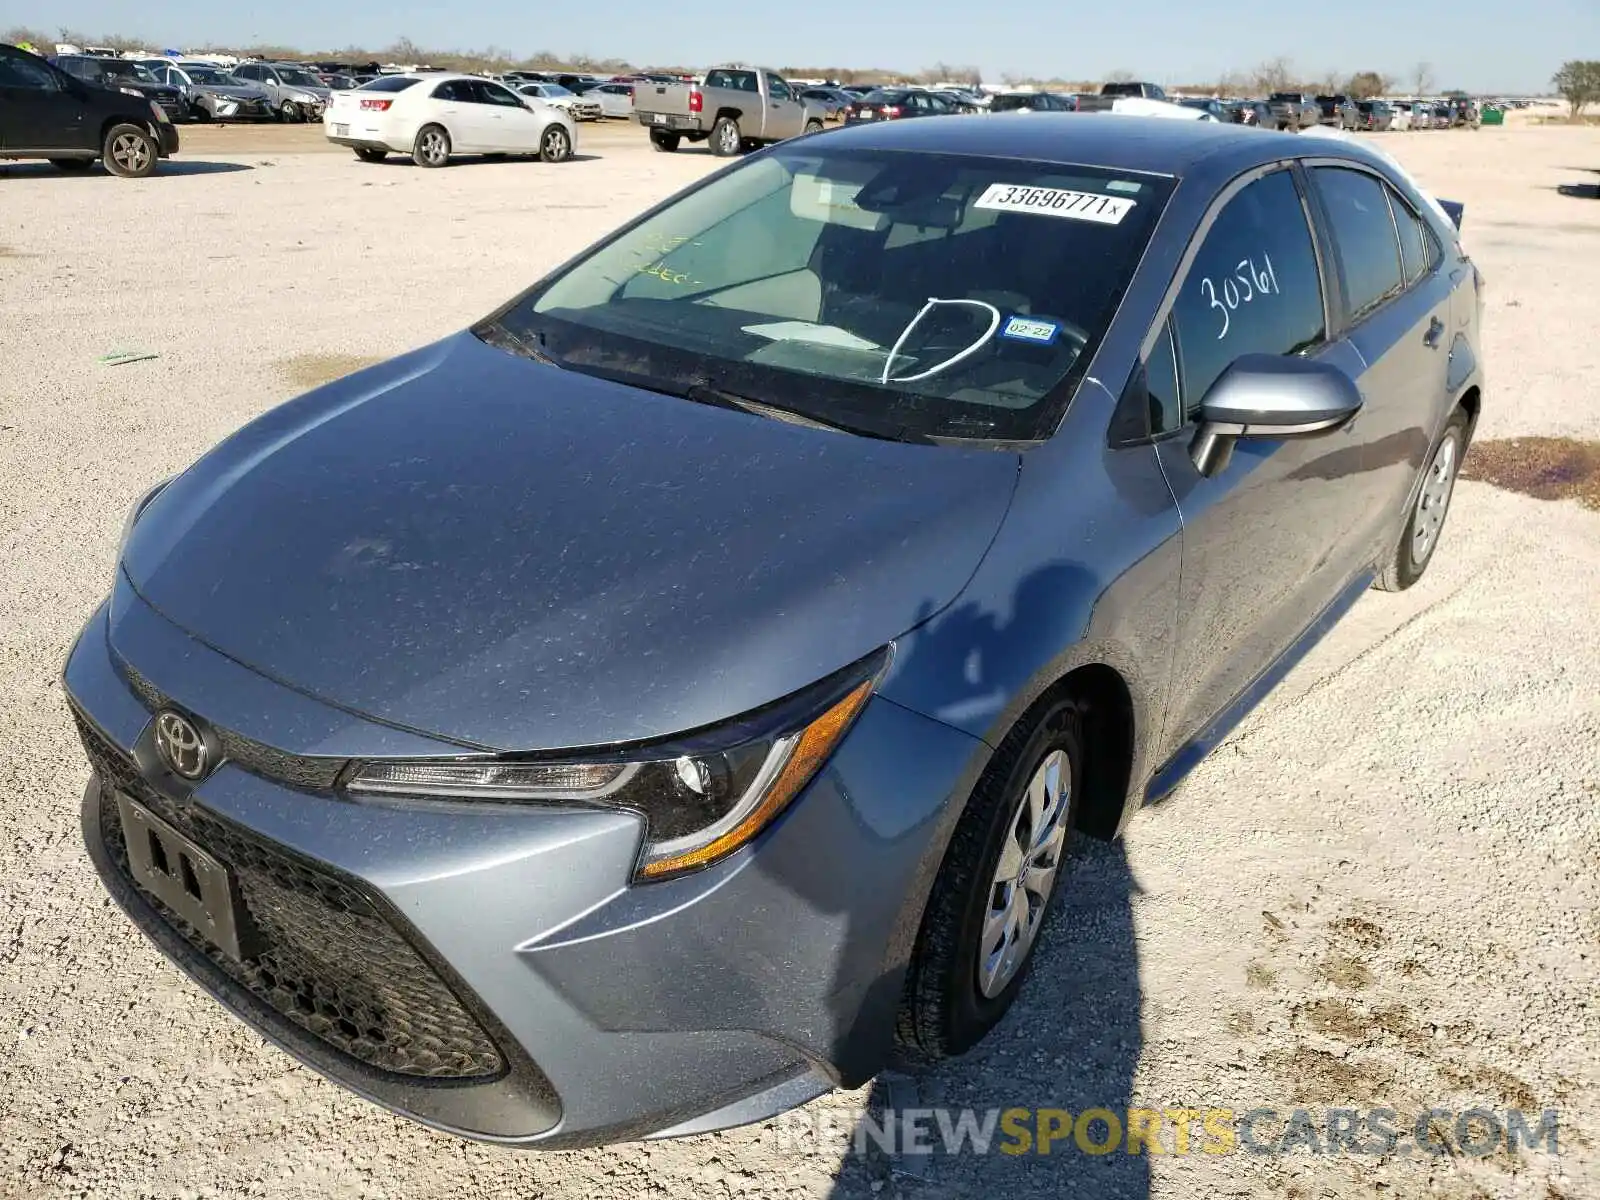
(1435, 332)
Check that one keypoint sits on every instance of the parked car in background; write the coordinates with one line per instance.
(124, 75)
(736, 107)
(771, 632)
(339, 82)
(960, 102)
(1339, 111)
(1257, 113)
(1215, 109)
(580, 108)
(1466, 112)
(832, 102)
(214, 95)
(1399, 116)
(1444, 116)
(294, 93)
(1376, 116)
(1294, 111)
(614, 99)
(1145, 91)
(894, 104)
(440, 115)
(72, 122)
(1032, 102)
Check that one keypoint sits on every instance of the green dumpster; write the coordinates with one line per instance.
(1494, 116)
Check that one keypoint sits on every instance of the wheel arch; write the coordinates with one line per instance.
(727, 110)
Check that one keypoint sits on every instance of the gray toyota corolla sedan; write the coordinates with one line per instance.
(676, 696)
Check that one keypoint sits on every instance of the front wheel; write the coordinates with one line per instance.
(432, 147)
(725, 139)
(993, 891)
(663, 141)
(1432, 505)
(129, 151)
(555, 144)
(813, 126)
(289, 114)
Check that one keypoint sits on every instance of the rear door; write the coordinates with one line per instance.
(38, 108)
(1268, 542)
(1396, 307)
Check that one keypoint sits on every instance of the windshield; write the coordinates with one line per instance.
(211, 75)
(904, 295)
(302, 79)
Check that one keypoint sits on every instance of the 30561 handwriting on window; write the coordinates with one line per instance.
(933, 295)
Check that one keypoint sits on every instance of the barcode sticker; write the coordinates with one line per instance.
(1056, 202)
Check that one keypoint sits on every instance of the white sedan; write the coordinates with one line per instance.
(615, 99)
(435, 116)
(578, 107)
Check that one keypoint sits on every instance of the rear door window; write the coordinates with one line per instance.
(1363, 234)
(1253, 288)
(1419, 250)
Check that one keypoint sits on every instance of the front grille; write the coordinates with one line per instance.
(315, 949)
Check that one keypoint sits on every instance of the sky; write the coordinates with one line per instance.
(1478, 45)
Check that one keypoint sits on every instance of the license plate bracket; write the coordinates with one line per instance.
(341, 130)
(181, 875)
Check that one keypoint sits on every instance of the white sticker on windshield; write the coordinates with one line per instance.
(1056, 202)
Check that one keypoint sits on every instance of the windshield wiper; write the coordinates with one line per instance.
(495, 333)
(707, 393)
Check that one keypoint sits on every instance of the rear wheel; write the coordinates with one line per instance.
(664, 141)
(371, 154)
(1432, 505)
(555, 144)
(129, 151)
(725, 139)
(432, 147)
(993, 892)
(72, 164)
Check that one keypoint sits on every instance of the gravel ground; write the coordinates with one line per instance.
(1381, 890)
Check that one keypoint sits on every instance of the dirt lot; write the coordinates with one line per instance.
(1381, 891)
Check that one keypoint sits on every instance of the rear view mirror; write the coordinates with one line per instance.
(1270, 396)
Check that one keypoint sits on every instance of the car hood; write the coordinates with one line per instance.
(518, 557)
(233, 91)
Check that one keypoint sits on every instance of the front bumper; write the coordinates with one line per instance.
(489, 969)
(166, 139)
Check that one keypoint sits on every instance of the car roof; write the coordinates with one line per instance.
(1154, 145)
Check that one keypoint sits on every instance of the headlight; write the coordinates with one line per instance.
(702, 797)
(137, 511)
(127, 91)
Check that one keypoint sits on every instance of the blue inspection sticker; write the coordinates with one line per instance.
(1030, 329)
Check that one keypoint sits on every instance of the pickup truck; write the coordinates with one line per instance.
(1339, 111)
(737, 107)
(1295, 111)
(1112, 92)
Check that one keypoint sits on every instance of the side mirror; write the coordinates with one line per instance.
(1269, 396)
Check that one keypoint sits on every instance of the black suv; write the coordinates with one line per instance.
(46, 113)
(121, 75)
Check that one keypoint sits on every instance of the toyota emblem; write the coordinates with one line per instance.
(181, 747)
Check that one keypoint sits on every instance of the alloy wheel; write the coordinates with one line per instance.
(131, 152)
(433, 146)
(1025, 874)
(1433, 502)
(730, 138)
(556, 145)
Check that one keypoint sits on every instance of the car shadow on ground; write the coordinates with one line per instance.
(1070, 1044)
(1580, 191)
(166, 168)
(398, 159)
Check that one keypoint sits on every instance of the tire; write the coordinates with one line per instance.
(129, 151)
(200, 114)
(813, 127)
(555, 144)
(289, 113)
(1419, 542)
(72, 165)
(948, 1004)
(432, 147)
(725, 139)
(661, 140)
(371, 154)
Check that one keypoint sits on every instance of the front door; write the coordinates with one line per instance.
(38, 108)
(786, 115)
(1272, 539)
(510, 124)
